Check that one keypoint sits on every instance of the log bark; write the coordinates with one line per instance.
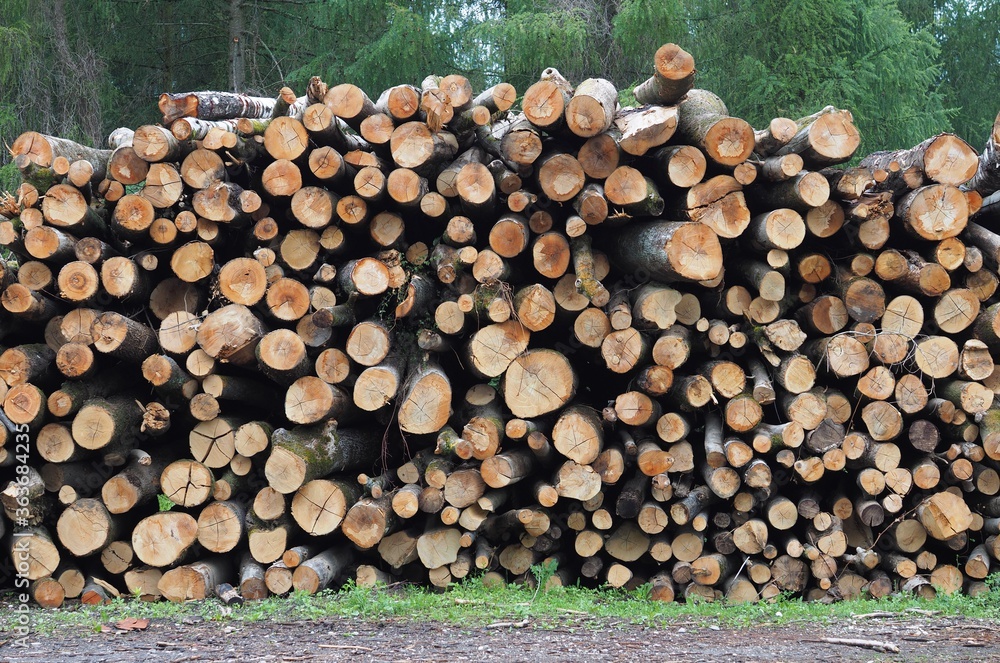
(309, 452)
(43, 150)
(944, 159)
(592, 108)
(986, 181)
(320, 571)
(704, 121)
(664, 250)
(673, 77)
(213, 106)
(825, 138)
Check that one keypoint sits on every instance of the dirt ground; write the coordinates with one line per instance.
(573, 639)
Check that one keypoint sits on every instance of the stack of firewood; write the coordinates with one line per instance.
(282, 343)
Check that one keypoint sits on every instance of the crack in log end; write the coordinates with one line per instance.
(694, 255)
(538, 382)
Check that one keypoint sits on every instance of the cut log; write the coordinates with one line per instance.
(704, 120)
(538, 382)
(668, 251)
(945, 159)
(425, 400)
(592, 109)
(319, 572)
(163, 538)
(369, 520)
(934, 212)
(309, 452)
(672, 78)
(825, 138)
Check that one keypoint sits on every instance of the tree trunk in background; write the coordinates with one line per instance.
(237, 49)
(77, 76)
(167, 17)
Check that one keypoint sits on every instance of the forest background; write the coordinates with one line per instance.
(907, 69)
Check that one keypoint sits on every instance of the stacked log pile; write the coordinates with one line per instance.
(435, 333)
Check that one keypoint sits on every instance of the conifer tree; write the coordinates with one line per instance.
(794, 57)
(969, 36)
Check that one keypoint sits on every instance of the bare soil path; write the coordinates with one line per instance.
(576, 638)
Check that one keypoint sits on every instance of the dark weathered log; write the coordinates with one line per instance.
(666, 250)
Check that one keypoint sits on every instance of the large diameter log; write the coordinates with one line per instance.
(667, 251)
(538, 382)
(560, 176)
(86, 527)
(34, 551)
(193, 261)
(194, 582)
(500, 97)
(231, 334)
(627, 188)
(123, 338)
(163, 538)
(802, 192)
(545, 102)
(65, 206)
(268, 540)
(369, 520)
(187, 482)
(154, 143)
(578, 434)
(592, 108)
(945, 159)
(934, 212)
(719, 203)
(826, 138)
(25, 364)
(439, 546)
(413, 145)
(680, 165)
(100, 422)
(578, 482)
(48, 593)
(492, 349)
(425, 400)
(309, 400)
(308, 452)
(944, 515)
(320, 505)
(704, 121)
(643, 129)
(350, 103)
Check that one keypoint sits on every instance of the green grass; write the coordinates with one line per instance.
(472, 604)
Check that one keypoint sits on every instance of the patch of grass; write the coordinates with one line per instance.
(10, 177)
(472, 604)
(165, 503)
